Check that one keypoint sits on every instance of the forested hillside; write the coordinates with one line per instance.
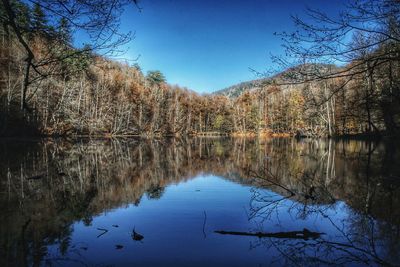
(237, 89)
(75, 91)
(50, 87)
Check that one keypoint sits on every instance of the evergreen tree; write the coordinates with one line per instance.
(39, 20)
(155, 77)
(23, 14)
(64, 31)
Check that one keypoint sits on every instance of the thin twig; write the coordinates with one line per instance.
(104, 231)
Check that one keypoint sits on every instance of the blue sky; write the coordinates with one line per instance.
(209, 45)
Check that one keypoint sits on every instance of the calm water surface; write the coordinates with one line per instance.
(76, 203)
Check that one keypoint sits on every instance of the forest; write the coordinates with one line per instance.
(345, 81)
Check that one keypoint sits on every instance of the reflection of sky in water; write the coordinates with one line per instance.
(101, 183)
(173, 228)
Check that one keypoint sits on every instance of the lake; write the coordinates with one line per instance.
(199, 202)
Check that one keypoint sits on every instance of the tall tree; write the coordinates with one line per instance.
(39, 20)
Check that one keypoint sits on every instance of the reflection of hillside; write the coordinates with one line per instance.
(120, 172)
(81, 179)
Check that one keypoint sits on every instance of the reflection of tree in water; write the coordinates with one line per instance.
(55, 184)
(369, 235)
(47, 186)
(155, 192)
(348, 247)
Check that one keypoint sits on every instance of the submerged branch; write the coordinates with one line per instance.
(305, 234)
(104, 231)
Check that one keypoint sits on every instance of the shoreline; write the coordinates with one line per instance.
(363, 136)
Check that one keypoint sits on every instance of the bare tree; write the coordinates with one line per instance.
(362, 40)
(97, 20)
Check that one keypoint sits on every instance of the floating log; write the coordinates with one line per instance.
(305, 234)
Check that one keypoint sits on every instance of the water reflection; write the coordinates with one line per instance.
(56, 195)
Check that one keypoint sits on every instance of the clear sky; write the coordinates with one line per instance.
(209, 45)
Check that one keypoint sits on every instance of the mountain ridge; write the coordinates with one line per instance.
(291, 74)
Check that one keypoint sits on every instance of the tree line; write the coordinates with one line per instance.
(50, 87)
